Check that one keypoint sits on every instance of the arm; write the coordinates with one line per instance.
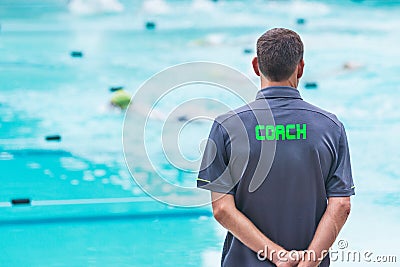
(226, 213)
(332, 221)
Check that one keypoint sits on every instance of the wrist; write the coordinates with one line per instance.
(309, 260)
(279, 255)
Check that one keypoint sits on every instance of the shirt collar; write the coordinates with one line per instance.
(278, 92)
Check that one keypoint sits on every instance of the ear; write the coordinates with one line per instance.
(255, 66)
(300, 69)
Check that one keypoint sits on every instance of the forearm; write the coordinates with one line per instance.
(327, 231)
(243, 229)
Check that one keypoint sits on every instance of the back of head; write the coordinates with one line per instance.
(279, 51)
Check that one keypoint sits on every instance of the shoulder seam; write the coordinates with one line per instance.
(338, 123)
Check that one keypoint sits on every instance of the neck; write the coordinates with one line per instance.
(267, 83)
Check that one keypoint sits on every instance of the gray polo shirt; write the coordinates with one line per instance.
(281, 158)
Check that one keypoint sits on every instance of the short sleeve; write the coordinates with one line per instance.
(214, 173)
(340, 183)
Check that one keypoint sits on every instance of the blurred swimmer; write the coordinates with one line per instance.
(120, 98)
(350, 65)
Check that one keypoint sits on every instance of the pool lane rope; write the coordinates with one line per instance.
(60, 202)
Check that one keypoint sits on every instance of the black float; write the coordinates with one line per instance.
(55, 137)
(301, 21)
(76, 54)
(21, 201)
(150, 25)
(311, 85)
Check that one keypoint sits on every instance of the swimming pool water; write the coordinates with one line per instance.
(44, 91)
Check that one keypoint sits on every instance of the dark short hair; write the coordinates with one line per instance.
(279, 51)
